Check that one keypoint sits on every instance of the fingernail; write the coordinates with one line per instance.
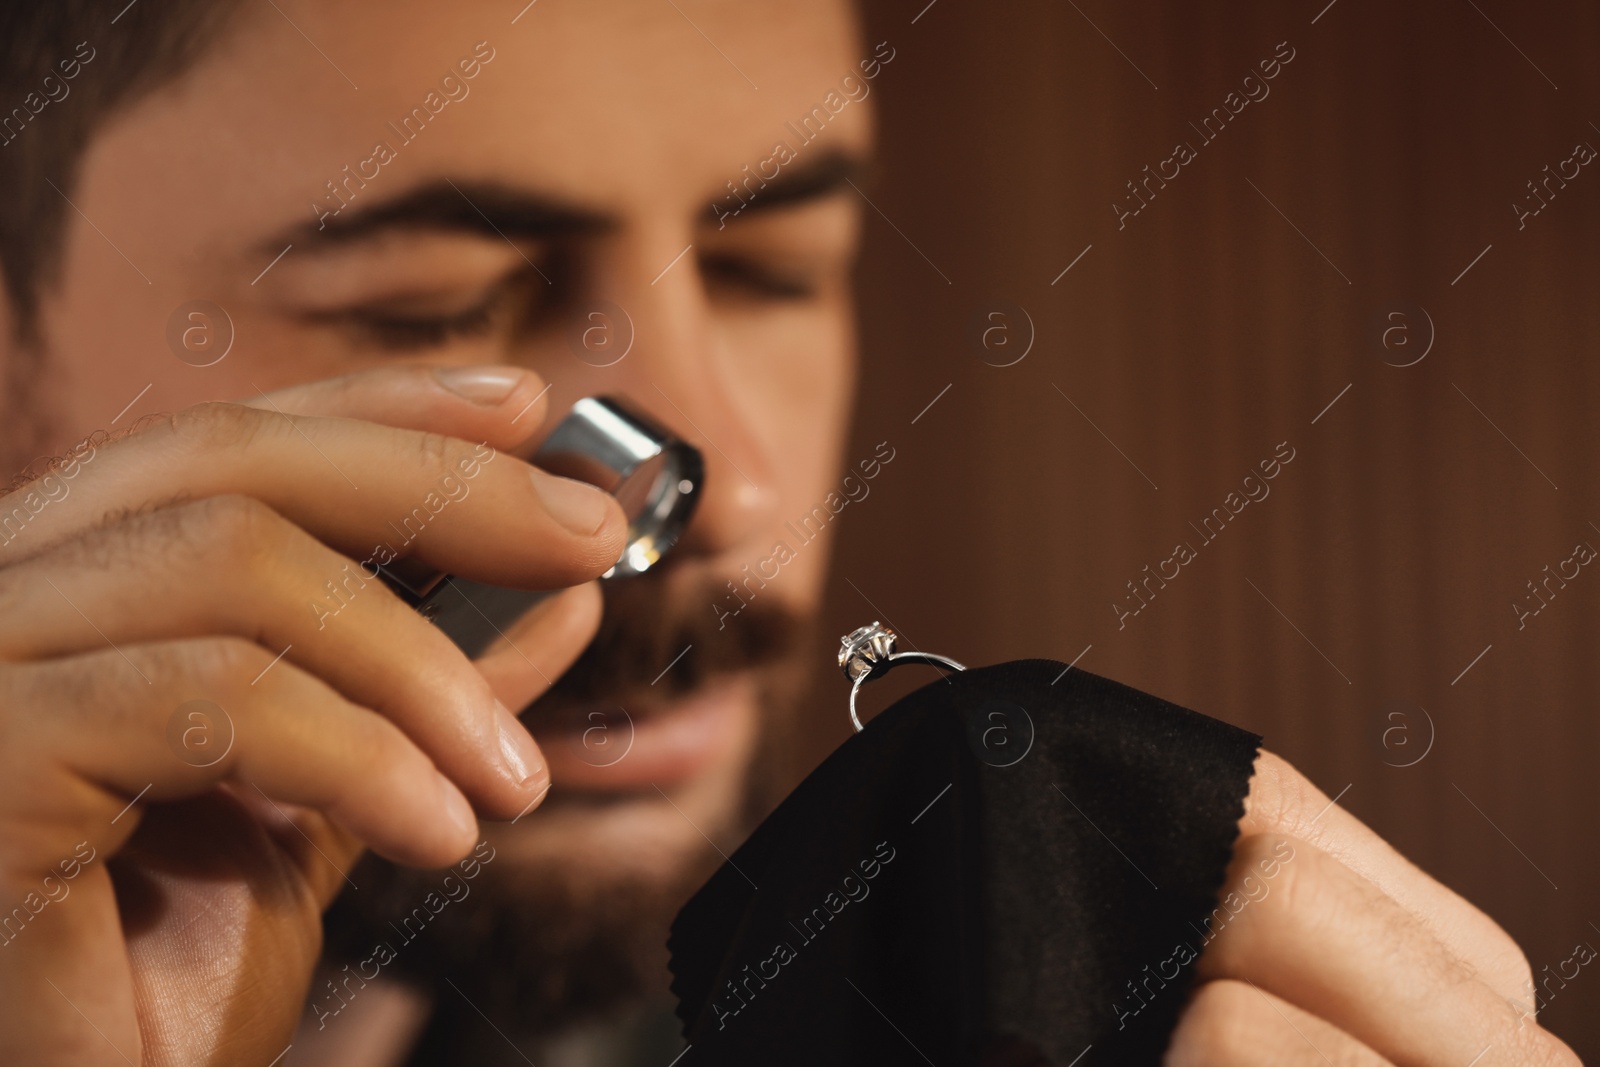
(578, 506)
(517, 748)
(454, 805)
(481, 385)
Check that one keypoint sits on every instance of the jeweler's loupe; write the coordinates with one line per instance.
(654, 476)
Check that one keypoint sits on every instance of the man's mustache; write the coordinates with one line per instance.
(667, 639)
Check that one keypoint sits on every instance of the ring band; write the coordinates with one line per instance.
(869, 653)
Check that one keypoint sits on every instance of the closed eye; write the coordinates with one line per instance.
(755, 279)
(416, 322)
(412, 332)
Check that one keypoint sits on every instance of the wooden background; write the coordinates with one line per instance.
(1371, 594)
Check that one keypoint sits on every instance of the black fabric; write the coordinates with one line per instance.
(1013, 865)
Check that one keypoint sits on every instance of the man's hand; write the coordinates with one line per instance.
(160, 902)
(1331, 948)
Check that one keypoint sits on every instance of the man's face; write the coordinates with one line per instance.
(536, 191)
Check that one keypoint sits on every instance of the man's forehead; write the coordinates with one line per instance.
(629, 101)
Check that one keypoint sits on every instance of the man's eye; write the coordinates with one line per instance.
(410, 332)
(432, 320)
(751, 278)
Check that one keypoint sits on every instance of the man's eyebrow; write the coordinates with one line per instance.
(461, 206)
(819, 178)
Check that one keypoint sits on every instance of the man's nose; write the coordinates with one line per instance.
(677, 368)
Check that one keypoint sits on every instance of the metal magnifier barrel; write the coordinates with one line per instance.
(655, 477)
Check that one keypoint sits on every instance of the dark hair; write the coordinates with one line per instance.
(48, 115)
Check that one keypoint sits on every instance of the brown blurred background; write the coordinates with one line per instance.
(1372, 592)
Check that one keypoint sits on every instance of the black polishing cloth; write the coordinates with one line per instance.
(1011, 865)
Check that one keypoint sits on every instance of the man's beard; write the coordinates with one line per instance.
(542, 947)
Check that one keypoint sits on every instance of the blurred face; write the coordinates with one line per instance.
(553, 192)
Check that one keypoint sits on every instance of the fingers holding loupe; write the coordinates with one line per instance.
(603, 441)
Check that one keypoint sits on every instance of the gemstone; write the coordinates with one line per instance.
(865, 652)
